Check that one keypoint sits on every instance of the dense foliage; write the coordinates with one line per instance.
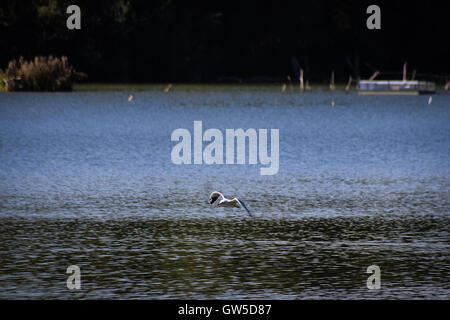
(40, 74)
(176, 40)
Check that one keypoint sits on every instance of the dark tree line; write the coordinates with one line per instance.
(227, 40)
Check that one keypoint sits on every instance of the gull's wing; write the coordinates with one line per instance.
(242, 204)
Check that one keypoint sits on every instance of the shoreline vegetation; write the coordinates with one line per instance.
(50, 74)
(165, 41)
(194, 86)
(40, 74)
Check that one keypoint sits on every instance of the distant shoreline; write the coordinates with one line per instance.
(289, 88)
(276, 86)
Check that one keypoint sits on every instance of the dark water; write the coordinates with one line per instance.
(86, 179)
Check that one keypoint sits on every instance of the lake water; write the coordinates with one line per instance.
(87, 180)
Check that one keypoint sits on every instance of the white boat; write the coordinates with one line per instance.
(396, 87)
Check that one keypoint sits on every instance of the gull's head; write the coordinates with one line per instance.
(213, 197)
(212, 200)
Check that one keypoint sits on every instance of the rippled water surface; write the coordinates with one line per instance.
(86, 179)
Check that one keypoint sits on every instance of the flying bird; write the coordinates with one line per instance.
(230, 203)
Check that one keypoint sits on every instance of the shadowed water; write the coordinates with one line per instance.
(87, 179)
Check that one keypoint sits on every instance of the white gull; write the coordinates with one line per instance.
(230, 203)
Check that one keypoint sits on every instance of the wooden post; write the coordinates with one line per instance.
(376, 73)
(404, 71)
(167, 89)
(347, 88)
(308, 87)
(332, 86)
(301, 80)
